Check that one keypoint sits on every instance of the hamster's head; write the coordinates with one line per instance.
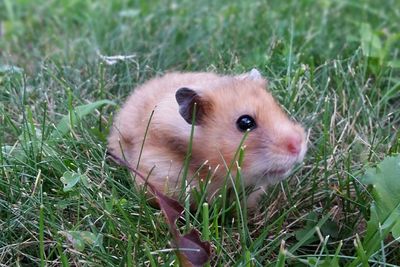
(226, 110)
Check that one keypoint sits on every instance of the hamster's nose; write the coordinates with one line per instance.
(294, 143)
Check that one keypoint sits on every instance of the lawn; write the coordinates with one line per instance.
(333, 64)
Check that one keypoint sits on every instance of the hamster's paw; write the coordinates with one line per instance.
(253, 200)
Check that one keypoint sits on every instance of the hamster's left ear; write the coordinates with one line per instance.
(187, 98)
(253, 75)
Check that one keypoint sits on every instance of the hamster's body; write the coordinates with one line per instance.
(225, 106)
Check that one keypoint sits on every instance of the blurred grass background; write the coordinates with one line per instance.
(333, 64)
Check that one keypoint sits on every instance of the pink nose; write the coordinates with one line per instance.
(293, 144)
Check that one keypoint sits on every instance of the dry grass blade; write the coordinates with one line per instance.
(191, 251)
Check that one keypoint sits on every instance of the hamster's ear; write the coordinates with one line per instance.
(253, 75)
(186, 99)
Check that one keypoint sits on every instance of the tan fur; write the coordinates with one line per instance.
(216, 138)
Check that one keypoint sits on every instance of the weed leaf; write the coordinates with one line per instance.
(70, 179)
(79, 239)
(6, 69)
(385, 209)
(69, 120)
(394, 64)
(370, 42)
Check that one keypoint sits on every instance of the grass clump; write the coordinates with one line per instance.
(334, 65)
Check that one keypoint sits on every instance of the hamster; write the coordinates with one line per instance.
(226, 107)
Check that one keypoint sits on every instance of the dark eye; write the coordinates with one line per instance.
(246, 122)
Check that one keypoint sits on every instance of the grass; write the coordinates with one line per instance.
(334, 66)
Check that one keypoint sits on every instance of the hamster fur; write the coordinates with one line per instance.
(272, 147)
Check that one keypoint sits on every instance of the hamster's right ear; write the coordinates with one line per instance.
(186, 99)
(253, 75)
